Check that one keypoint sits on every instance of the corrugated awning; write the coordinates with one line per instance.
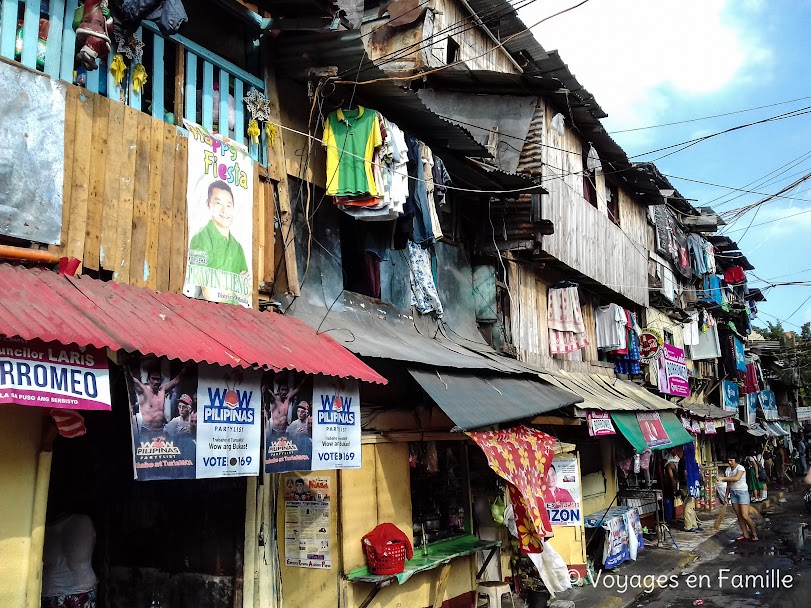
(42, 305)
(628, 425)
(474, 402)
(607, 393)
(774, 429)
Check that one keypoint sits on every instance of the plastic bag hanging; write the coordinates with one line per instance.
(558, 123)
(593, 161)
(139, 77)
(253, 131)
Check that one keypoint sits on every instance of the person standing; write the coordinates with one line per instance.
(671, 485)
(68, 579)
(802, 448)
(735, 476)
(754, 476)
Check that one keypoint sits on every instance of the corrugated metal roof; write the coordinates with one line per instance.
(607, 393)
(473, 401)
(295, 54)
(40, 304)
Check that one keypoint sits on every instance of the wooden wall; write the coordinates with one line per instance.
(585, 239)
(124, 208)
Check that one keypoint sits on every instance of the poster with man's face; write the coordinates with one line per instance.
(220, 211)
(652, 429)
(563, 494)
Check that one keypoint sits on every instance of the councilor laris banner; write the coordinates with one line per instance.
(652, 429)
(312, 423)
(562, 494)
(53, 376)
(220, 209)
(193, 421)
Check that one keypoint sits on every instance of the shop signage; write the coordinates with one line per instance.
(53, 376)
(599, 423)
(675, 371)
(751, 409)
(562, 494)
(696, 426)
(652, 429)
(729, 395)
(685, 422)
(740, 355)
(709, 427)
(312, 427)
(803, 414)
(307, 522)
(729, 425)
(650, 344)
(768, 403)
(219, 198)
(194, 421)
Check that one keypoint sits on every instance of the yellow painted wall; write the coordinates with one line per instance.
(362, 498)
(601, 501)
(20, 429)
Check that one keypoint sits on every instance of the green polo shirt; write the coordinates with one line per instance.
(224, 253)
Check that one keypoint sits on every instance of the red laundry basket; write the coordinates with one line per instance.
(392, 561)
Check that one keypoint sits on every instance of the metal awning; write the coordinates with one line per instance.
(474, 401)
(607, 393)
(774, 429)
(37, 304)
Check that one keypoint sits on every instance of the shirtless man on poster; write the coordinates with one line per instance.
(280, 403)
(151, 398)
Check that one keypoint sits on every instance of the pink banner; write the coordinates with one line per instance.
(599, 423)
(675, 371)
(53, 376)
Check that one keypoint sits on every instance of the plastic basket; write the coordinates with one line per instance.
(392, 561)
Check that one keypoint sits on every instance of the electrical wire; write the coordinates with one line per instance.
(779, 219)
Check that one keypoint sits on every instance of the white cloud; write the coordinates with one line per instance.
(639, 57)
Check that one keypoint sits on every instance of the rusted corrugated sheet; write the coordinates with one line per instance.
(39, 304)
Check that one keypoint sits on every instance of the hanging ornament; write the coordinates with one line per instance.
(258, 105)
(139, 77)
(270, 129)
(118, 68)
(253, 131)
(132, 48)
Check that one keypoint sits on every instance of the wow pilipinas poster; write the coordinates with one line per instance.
(193, 421)
(312, 423)
(219, 198)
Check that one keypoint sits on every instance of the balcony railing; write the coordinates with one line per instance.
(184, 79)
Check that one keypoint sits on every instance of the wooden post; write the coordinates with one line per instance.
(277, 171)
(34, 583)
(443, 582)
(180, 75)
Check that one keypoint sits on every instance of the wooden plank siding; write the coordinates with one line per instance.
(124, 198)
(584, 233)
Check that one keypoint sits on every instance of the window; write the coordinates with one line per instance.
(589, 190)
(612, 200)
(360, 268)
(452, 52)
(668, 336)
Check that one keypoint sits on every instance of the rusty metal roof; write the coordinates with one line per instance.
(40, 304)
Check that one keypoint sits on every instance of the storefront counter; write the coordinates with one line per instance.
(439, 554)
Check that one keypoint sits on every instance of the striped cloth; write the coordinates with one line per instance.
(69, 423)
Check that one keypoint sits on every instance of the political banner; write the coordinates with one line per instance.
(768, 403)
(729, 425)
(53, 376)
(750, 415)
(709, 427)
(312, 424)
(740, 354)
(615, 547)
(675, 371)
(652, 429)
(307, 522)
(193, 421)
(729, 395)
(219, 197)
(696, 429)
(562, 494)
(803, 414)
(599, 423)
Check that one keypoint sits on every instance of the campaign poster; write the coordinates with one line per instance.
(675, 371)
(729, 425)
(729, 395)
(163, 417)
(562, 494)
(751, 409)
(219, 198)
(696, 428)
(652, 429)
(229, 427)
(616, 548)
(336, 429)
(599, 423)
(193, 421)
(709, 427)
(740, 354)
(307, 522)
(53, 376)
(768, 404)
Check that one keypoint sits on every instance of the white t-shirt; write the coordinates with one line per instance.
(611, 323)
(740, 485)
(67, 556)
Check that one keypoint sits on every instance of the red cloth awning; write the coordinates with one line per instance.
(37, 304)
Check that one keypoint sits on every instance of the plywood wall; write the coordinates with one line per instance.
(124, 208)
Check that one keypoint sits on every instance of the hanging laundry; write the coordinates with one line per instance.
(351, 138)
(626, 360)
(750, 384)
(424, 295)
(734, 275)
(442, 180)
(611, 322)
(698, 253)
(690, 330)
(418, 193)
(428, 172)
(567, 332)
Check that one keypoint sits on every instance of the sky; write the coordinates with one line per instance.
(649, 62)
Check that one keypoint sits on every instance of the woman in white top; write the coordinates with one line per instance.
(735, 477)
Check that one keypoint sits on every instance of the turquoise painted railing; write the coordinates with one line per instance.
(39, 35)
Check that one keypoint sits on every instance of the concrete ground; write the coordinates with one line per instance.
(713, 567)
